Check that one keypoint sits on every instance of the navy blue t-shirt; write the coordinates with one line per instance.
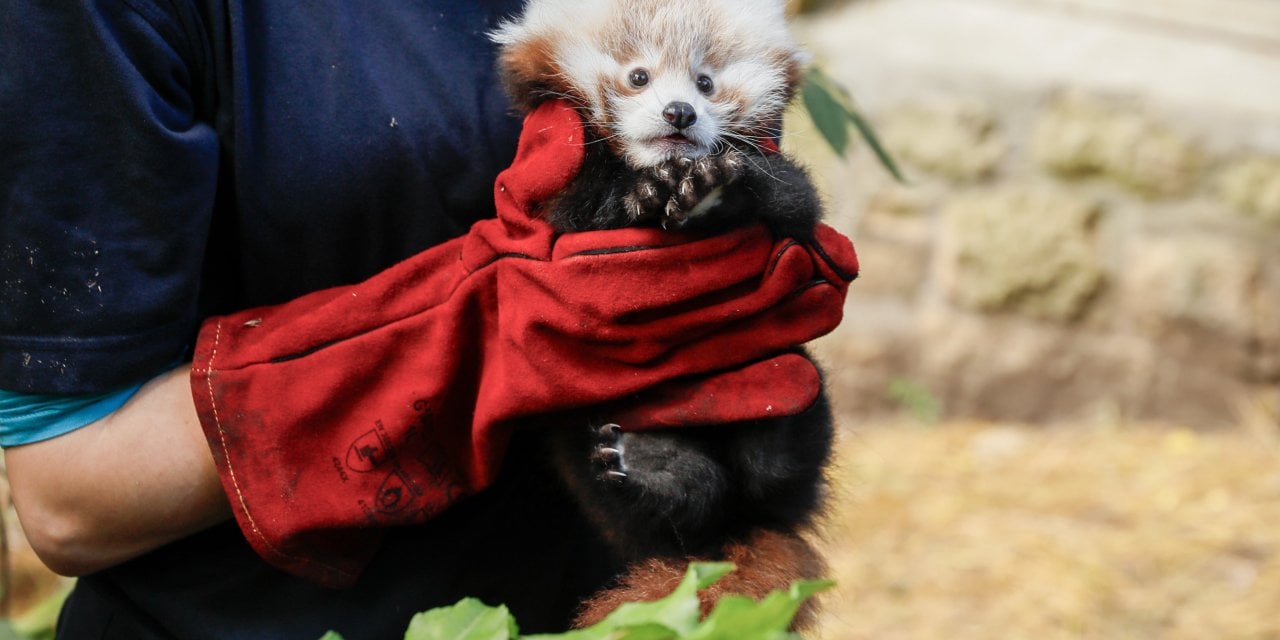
(165, 160)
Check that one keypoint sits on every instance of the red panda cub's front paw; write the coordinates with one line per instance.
(677, 193)
(646, 200)
(697, 185)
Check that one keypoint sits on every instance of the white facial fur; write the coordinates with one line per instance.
(589, 49)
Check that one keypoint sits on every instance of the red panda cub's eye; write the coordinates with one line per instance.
(638, 78)
(705, 85)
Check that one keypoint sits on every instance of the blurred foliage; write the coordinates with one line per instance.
(37, 623)
(831, 108)
(916, 399)
(812, 6)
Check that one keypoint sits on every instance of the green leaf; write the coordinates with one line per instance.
(590, 633)
(678, 612)
(470, 619)
(644, 632)
(674, 617)
(828, 95)
(741, 618)
(873, 141)
(576, 634)
(804, 589)
(7, 632)
(708, 573)
(638, 631)
(827, 114)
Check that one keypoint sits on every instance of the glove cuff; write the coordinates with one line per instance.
(334, 559)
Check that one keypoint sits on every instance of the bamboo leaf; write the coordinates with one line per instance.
(822, 95)
(827, 113)
(873, 141)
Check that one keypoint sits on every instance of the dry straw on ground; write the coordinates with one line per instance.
(990, 531)
(980, 531)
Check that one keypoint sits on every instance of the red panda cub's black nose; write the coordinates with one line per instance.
(680, 114)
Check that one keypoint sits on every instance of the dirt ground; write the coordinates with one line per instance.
(997, 531)
(975, 531)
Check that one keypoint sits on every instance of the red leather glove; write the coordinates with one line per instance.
(350, 409)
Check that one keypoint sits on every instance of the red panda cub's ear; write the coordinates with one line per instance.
(528, 72)
(793, 62)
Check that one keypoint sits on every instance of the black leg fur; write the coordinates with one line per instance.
(654, 493)
(689, 492)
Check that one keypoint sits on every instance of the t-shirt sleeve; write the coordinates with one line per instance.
(108, 174)
(30, 418)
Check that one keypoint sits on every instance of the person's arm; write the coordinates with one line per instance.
(107, 183)
(139, 478)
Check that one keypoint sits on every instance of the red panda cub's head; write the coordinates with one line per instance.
(656, 79)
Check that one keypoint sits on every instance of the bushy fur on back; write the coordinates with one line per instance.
(586, 51)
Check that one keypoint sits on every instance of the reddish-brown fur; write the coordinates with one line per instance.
(769, 560)
(528, 71)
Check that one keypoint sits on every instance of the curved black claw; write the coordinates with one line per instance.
(607, 454)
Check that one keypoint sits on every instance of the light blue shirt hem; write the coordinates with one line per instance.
(26, 418)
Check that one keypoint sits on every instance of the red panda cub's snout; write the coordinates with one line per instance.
(656, 79)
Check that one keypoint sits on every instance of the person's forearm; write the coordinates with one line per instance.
(133, 481)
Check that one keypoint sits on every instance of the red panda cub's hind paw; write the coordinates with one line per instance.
(607, 454)
(651, 491)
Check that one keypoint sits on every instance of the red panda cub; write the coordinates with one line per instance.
(681, 98)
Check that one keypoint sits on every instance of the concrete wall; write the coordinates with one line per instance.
(1092, 223)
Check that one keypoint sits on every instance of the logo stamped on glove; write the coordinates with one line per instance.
(400, 493)
(369, 451)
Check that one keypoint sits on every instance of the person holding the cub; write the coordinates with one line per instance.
(274, 297)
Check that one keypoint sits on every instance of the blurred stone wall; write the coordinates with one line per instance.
(1091, 227)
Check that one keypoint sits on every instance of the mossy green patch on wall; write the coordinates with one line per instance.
(956, 140)
(1028, 251)
(1079, 136)
(1252, 186)
(1091, 219)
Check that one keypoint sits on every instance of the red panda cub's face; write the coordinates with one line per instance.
(656, 79)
